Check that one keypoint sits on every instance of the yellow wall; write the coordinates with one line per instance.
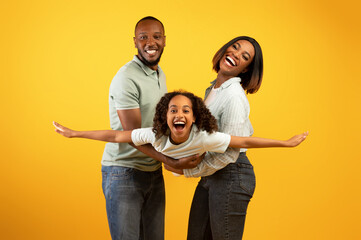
(57, 61)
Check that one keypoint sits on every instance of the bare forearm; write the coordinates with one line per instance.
(105, 135)
(131, 119)
(256, 142)
(101, 135)
(149, 150)
(183, 163)
(173, 163)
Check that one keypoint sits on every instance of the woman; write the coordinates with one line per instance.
(220, 201)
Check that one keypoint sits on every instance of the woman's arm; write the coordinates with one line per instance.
(102, 135)
(256, 142)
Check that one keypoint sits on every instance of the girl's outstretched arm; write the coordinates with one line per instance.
(256, 142)
(102, 135)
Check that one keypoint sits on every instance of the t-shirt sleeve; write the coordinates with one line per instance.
(124, 92)
(143, 136)
(217, 142)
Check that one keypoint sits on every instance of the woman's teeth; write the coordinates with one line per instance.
(231, 61)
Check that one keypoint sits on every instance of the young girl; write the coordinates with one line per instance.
(182, 126)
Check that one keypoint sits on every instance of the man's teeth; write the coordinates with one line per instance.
(231, 61)
(150, 51)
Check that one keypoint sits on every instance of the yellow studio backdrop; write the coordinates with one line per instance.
(59, 57)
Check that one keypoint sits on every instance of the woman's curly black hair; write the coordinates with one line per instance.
(204, 119)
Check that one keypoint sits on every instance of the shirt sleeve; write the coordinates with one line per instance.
(143, 136)
(124, 92)
(216, 142)
(232, 122)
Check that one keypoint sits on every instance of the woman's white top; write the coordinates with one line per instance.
(230, 107)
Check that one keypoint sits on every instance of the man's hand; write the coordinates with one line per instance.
(186, 162)
(169, 168)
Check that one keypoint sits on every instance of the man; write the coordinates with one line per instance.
(133, 183)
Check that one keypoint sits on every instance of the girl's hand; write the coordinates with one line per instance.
(66, 132)
(296, 140)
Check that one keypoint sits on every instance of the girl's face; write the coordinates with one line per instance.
(180, 118)
(237, 58)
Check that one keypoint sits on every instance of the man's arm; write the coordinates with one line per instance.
(132, 119)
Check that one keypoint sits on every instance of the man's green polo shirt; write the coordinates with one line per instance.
(134, 86)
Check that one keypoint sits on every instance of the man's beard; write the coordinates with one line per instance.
(146, 62)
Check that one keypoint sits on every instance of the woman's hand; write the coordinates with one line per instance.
(296, 140)
(66, 132)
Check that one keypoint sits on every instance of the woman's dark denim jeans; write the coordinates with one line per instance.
(220, 202)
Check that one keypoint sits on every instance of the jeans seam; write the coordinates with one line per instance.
(227, 210)
(110, 202)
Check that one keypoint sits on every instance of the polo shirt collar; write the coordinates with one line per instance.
(148, 71)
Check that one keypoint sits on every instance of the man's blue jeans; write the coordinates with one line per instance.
(220, 202)
(135, 203)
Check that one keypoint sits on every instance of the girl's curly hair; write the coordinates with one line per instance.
(204, 119)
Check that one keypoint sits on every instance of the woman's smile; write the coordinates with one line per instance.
(237, 58)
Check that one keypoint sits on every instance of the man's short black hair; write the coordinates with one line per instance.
(149, 18)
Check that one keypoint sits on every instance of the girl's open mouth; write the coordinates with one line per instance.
(179, 126)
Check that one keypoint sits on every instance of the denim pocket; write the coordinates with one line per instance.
(121, 173)
(247, 178)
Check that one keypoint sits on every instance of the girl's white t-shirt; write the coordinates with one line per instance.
(197, 143)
